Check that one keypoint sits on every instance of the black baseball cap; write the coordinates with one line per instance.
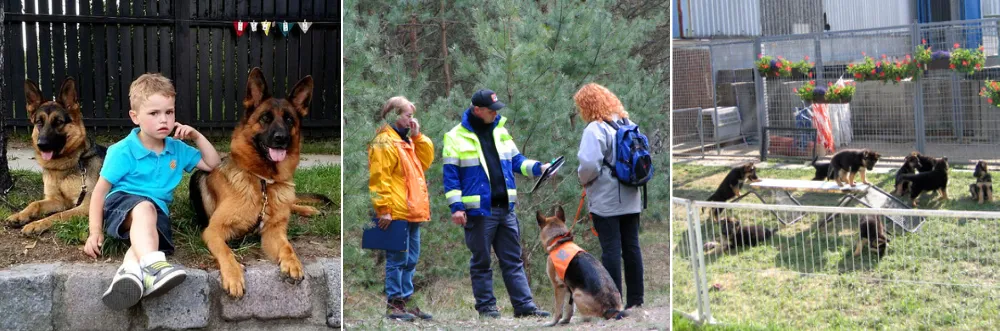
(487, 98)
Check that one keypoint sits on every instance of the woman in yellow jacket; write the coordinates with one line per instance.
(397, 159)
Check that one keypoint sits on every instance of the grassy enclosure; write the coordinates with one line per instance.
(942, 276)
(535, 55)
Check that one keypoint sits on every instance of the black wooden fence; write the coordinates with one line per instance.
(106, 45)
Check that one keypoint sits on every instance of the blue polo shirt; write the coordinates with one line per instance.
(132, 168)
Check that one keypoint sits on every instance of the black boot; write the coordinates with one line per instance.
(415, 311)
(395, 309)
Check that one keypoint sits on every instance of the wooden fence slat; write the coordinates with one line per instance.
(58, 54)
(203, 77)
(85, 71)
(267, 51)
(318, 63)
(17, 76)
(73, 46)
(332, 107)
(45, 57)
(7, 71)
(242, 66)
(165, 36)
(113, 68)
(230, 63)
(280, 72)
(305, 42)
(183, 68)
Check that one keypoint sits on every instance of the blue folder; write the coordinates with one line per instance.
(392, 239)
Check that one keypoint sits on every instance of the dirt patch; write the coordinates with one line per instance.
(17, 249)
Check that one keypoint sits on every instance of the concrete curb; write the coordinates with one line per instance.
(24, 159)
(67, 297)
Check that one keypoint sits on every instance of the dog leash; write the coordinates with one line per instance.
(579, 208)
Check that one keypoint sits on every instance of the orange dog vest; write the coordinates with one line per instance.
(562, 255)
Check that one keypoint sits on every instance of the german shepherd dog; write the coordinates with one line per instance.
(934, 180)
(252, 189)
(926, 162)
(738, 235)
(847, 163)
(587, 284)
(822, 169)
(982, 190)
(71, 163)
(732, 183)
(872, 233)
(911, 163)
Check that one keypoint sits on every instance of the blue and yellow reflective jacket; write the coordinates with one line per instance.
(466, 179)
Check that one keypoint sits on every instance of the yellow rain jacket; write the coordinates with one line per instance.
(396, 175)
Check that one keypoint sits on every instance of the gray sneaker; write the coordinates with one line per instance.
(124, 292)
(160, 277)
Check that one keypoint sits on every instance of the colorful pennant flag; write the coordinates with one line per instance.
(240, 27)
(285, 28)
(304, 26)
(267, 27)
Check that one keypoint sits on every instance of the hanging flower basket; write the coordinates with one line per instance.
(769, 66)
(991, 92)
(884, 70)
(962, 60)
(843, 92)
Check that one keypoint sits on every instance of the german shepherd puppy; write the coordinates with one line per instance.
(252, 189)
(872, 233)
(982, 190)
(936, 179)
(71, 163)
(738, 235)
(586, 284)
(847, 163)
(926, 162)
(822, 169)
(911, 163)
(732, 183)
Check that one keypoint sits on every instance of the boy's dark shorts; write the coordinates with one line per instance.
(117, 207)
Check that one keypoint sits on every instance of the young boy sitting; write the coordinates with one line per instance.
(141, 172)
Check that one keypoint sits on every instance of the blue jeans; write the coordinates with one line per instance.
(499, 231)
(400, 266)
(619, 237)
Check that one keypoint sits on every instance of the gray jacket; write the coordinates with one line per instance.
(606, 197)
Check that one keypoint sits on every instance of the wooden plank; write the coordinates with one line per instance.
(280, 73)
(85, 70)
(16, 83)
(7, 71)
(218, 64)
(152, 43)
(183, 59)
(331, 110)
(230, 64)
(267, 50)
(116, 105)
(45, 54)
(204, 96)
(320, 45)
(165, 35)
(31, 49)
(127, 68)
(242, 66)
(58, 54)
(305, 42)
(292, 49)
(72, 44)
(100, 63)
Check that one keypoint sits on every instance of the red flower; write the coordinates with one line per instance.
(810, 75)
(829, 84)
(878, 64)
(873, 71)
(965, 63)
(812, 63)
(990, 100)
(849, 66)
(807, 57)
(795, 90)
(781, 58)
(995, 86)
(778, 64)
(760, 56)
(951, 66)
(979, 65)
(897, 79)
(812, 82)
(907, 57)
(863, 54)
(857, 75)
(882, 74)
(923, 41)
(956, 45)
(883, 56)
(980, 48)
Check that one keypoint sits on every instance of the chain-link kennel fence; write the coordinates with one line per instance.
(820, 273)
(742, 113)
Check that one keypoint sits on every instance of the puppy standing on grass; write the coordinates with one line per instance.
(578, 278)
(731, 185)
(911, 163)
(934, 180)
(847, 163)
(982, 190)
(871, 233)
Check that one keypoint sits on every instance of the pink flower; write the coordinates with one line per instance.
(883, 56)
(965, 63)
(863, 54)
(956, 45)
(923, 41)
(795, 90)
(907, 57)
(812, 82)
(990, 100)
(810, 75)
(807, 57)
(760, 56)
(979, 65)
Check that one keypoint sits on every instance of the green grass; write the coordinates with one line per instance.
(220, 139)
(941, 277)
(187, 235)
(680, 323)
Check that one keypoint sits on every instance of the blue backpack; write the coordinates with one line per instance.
(633, 165)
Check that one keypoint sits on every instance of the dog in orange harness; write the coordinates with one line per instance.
(578, 278)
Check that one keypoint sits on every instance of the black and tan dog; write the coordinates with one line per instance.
(252, 189)
(982, 190)
(911, 163)
(737, 235)
(934, 180)
(849, 162)
(577, 277)
(926, 162)
(822, 169)
(71, 162)
(732, 183)
(871, 232)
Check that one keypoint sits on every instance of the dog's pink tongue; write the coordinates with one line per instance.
(277, 155)
(46, 156)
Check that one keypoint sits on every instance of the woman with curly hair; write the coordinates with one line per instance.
(397, 159)
(614, 207)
